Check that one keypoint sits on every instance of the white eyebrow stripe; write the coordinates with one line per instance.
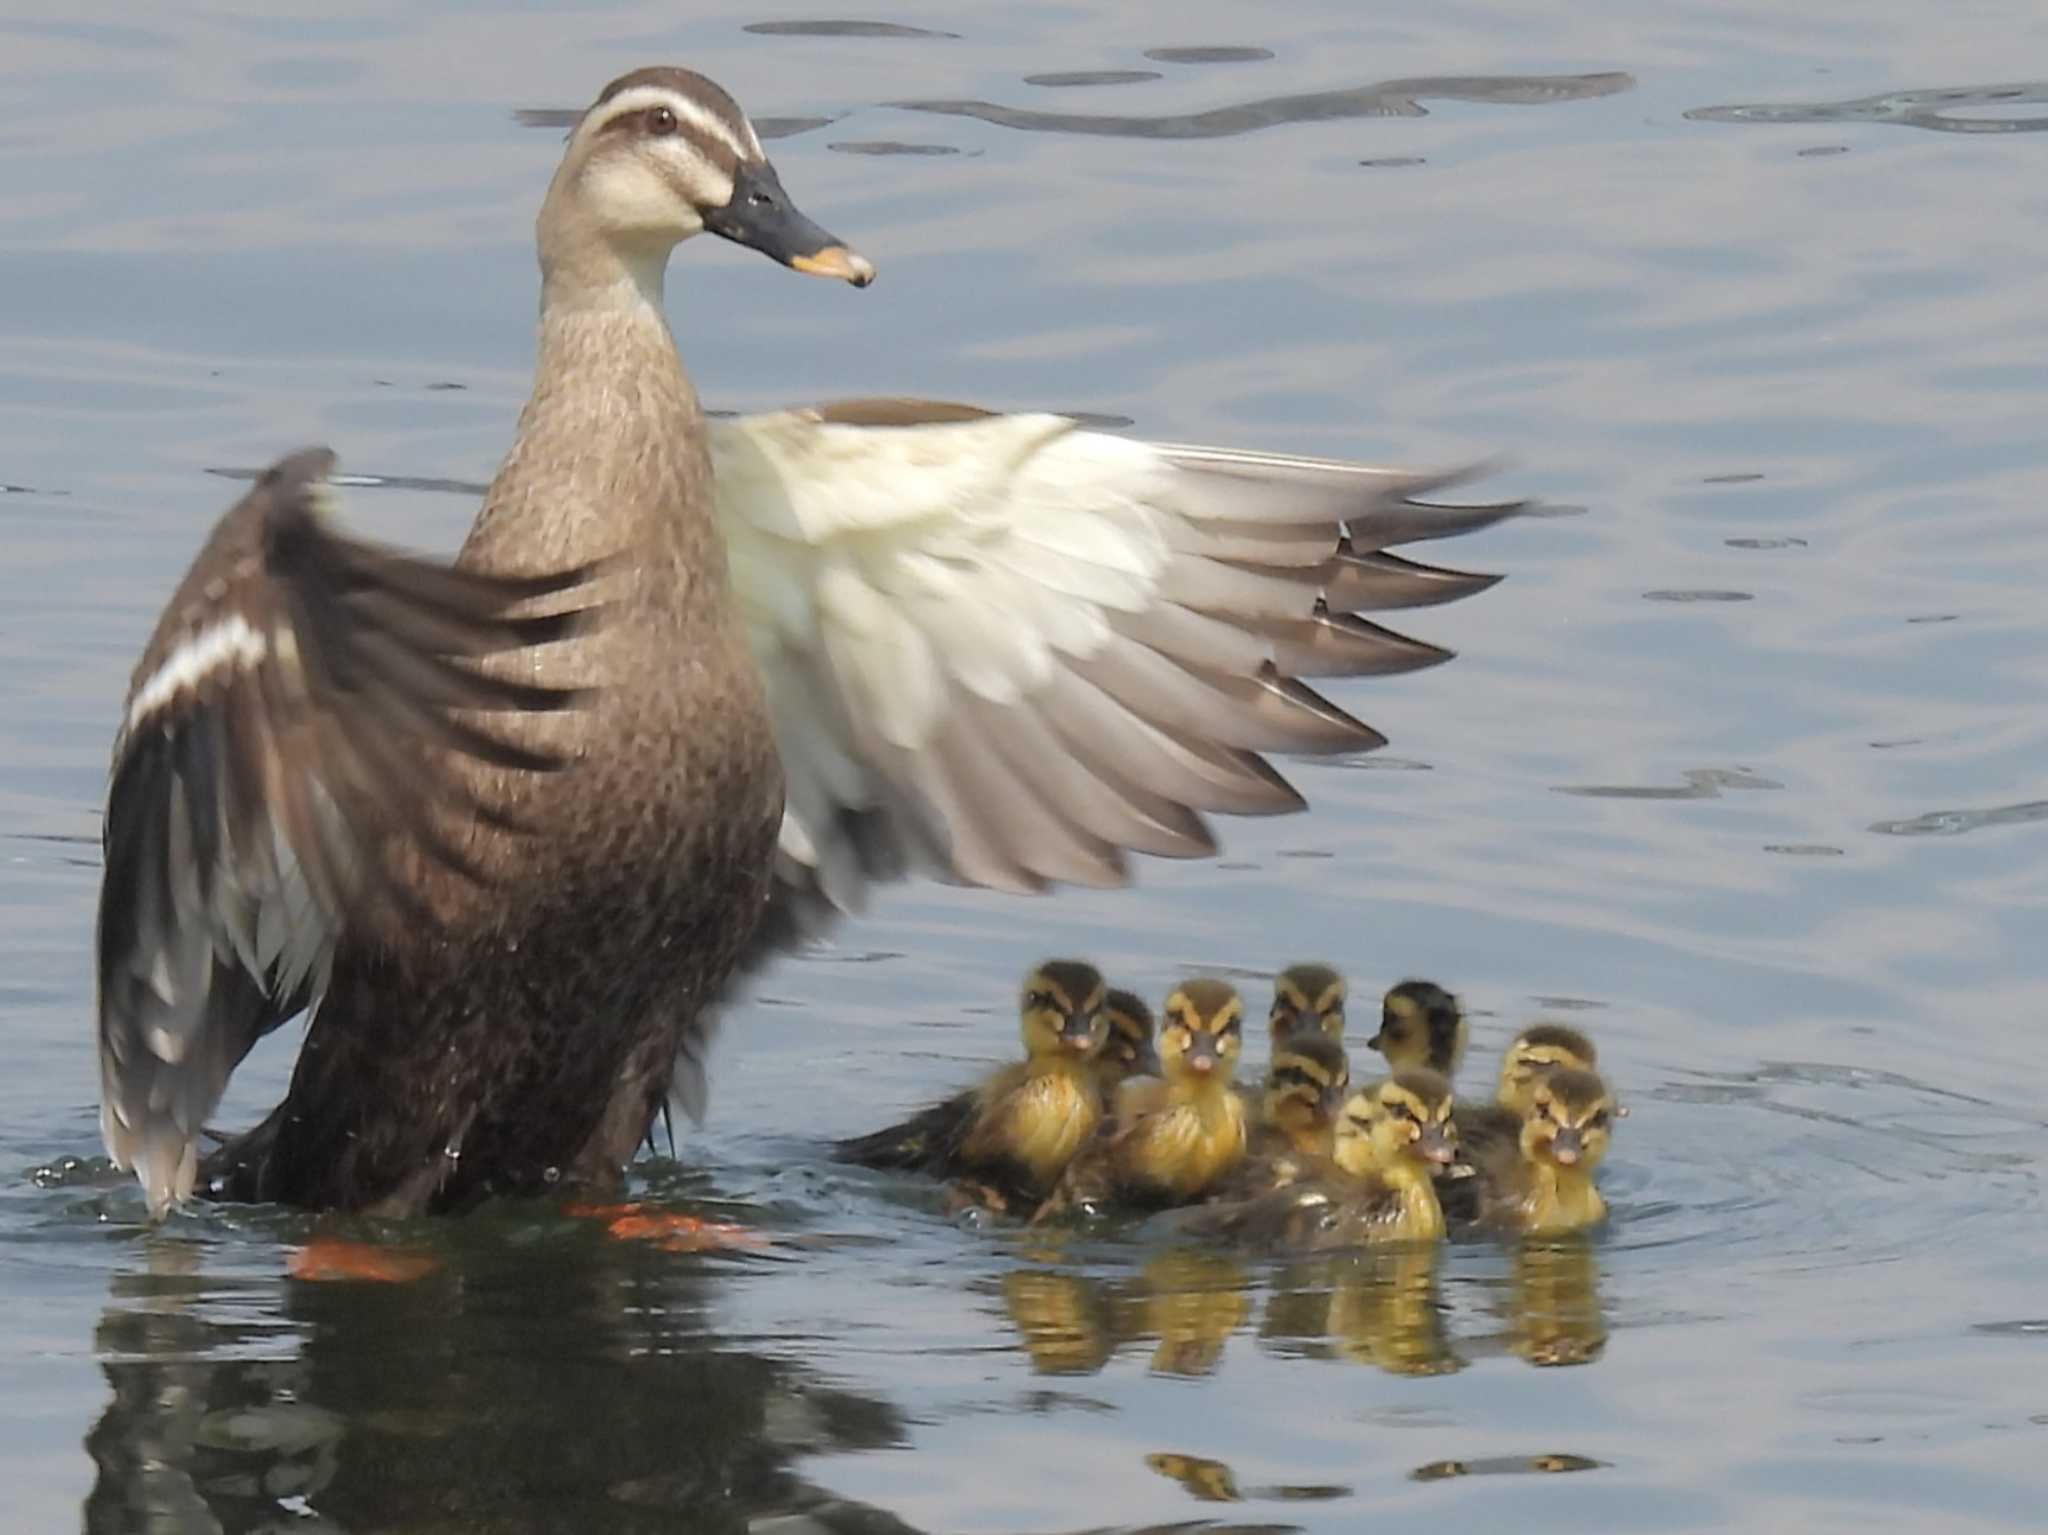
(707, 121)
(230, 643)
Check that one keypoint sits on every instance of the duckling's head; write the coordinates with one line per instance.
(1128, 1050)
(1307, 996)
(1537, 1051)
(661, 155)
(1570, 1112)
(1201, 1030)
(1306, 1082)
(1408, 1116)
(1421, 1024)
(1061, 1014)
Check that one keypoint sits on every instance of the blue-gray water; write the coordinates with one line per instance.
(1742, 769)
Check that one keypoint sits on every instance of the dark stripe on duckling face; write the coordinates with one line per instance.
(1570, 1115)
(1063, 1000)
(1130, 1028)
(1203, 1027)
(1305, 994)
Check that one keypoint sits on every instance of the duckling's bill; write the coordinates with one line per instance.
(761, 215)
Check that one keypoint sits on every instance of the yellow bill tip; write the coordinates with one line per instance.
(836, 261)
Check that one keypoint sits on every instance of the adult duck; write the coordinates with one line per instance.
(505, 828)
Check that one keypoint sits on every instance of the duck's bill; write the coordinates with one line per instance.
(762, 217)
(1435, 1144)
(1567, 1147)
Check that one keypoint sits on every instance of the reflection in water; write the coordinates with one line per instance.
(1700, 783)
(1384, 1311)
(1910, 109)
(1211, 1481)
(1193, 1302)
(1953, 823)
(1554, 1314)
(1504, 1465)
(1393, 98)
(1379, 1307)
(839, 29)
(1061, 1319)
(523, 1386)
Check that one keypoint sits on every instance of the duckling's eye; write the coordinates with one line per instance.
(661, 122)
(1037, 999)
(759, 199)
(1598, 1121)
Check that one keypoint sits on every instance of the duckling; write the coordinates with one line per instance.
(1379, 1186)
(1536, 1051)
(1421, 1024)
(1128, 1052)
(1543, 1184)
(1304, 1087)
(1018, 1129)
(1304, 995)
(1178, 1135)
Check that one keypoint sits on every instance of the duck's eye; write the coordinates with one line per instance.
(661, 122)
(758, 199)
(1598, 1121)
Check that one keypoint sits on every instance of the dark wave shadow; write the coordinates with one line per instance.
(1907, 109)
(520, 1387)
(1392, 98)
(1953, 823)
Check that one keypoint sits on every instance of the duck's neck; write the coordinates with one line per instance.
(1062, 1063)
(1561, 1198)
(1421, 1217)
(610, 456)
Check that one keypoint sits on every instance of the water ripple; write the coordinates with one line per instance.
(1392, 98)
(1953, 823)
(1909, 109)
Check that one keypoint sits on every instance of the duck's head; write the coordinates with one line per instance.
(1201, 1030)
(1537, 1051)
(1128, 1051)
(1570, 1112)
(1306, 1082)
(661, 155)
(1421, 1024)
(1406, 1117)
(1307, 997)
(1061, 1013)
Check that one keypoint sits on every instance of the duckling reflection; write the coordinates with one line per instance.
(1422, 1025)
(1385, 1311)
(1208, 1481)
(1177, 1136)
(1190, 1302)
(1016, 1132)
(1554, 1311)
(1061, 1319)
(1308, 996)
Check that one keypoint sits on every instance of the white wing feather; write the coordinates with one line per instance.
(1006, 649)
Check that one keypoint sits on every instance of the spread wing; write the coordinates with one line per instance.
(289, 725)
(1005, 650)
